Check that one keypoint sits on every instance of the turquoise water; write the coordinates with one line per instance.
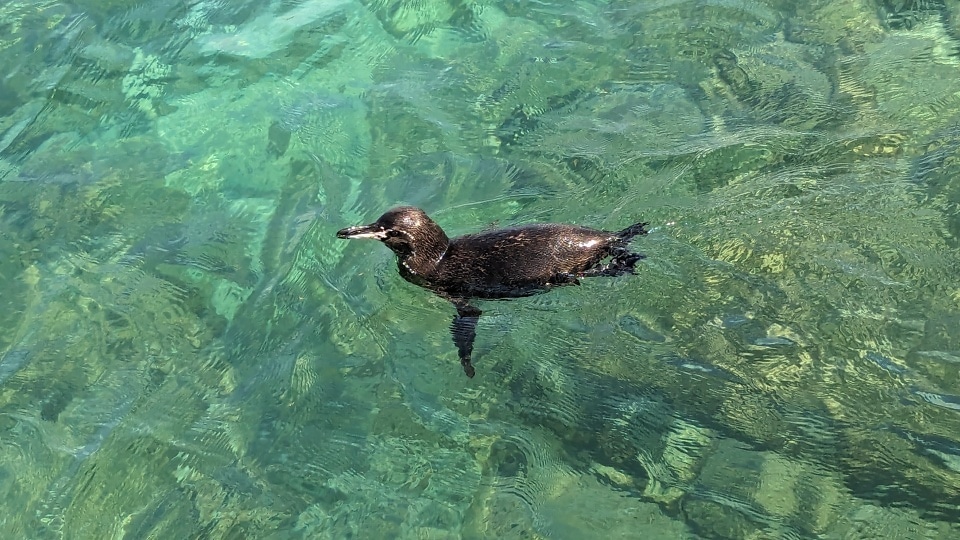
(187, 351)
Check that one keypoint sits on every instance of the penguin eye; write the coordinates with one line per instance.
(396, 238)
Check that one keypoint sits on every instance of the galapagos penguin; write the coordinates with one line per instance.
(502, 263)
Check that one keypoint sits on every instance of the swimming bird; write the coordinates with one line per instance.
(496, 264)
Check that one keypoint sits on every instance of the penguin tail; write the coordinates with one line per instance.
(634, 230)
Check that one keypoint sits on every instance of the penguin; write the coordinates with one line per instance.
(502, 263)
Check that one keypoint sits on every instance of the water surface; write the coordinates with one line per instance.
(187, 351)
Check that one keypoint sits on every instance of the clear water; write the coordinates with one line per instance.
(187, 351)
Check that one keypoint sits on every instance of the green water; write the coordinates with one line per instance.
(187, 351)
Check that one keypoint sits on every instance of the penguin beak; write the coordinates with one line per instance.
(363, 231)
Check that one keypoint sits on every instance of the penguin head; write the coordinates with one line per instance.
(408, 231)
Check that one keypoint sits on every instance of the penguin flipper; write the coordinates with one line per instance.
(464, 330)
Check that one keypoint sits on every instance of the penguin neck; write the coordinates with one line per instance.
(428, 251)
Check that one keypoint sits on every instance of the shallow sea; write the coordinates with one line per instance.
(188, 351)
